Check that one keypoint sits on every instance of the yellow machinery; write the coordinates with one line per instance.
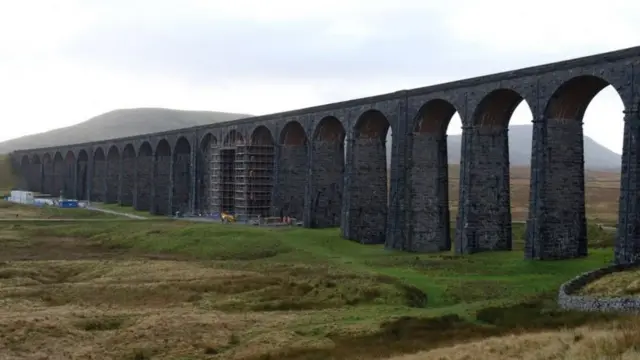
(227, 217)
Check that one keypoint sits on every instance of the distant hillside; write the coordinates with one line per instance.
(119, 123)
(596, 156)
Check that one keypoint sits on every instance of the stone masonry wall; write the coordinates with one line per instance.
(58, 177)
(564, 233)
(113, 179)
(127, 181)
(214, 177)
(144, 183)
(35, 176)
(430, 229)
(488, 222)
(162, 183)
(627, 247)
(98, 181)
(202, 185)
(70, 179)
(181, 182)
(569, 300)
(81, 186)
(368, 192)
(327, 183)
(292, 180)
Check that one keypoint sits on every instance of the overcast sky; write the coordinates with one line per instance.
(64, 61)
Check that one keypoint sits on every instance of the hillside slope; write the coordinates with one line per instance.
(596, 156)
(119, 123)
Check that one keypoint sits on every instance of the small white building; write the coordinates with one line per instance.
(21, 197)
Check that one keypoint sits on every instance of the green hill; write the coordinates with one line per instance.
(119, 123)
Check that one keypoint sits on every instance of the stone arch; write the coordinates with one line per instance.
(47, 174)
(261, 135)
(58, 174)
(25, 172)
(496, 108)
(372, 124)
(162, 179)
(259, 173)
(487, 163)
(233, 138)
(37, 173)
(99, 176)
(429, 179)
(225, 160)
(127, 183)
(181, 176)
(434, 117)
(203, 179)
(113, 174)
(368, 180)
(327, 172)
(570, 100)
(69, 175)
(562, 149)
(82, 175)
(292, 174)
(144, 177)
(293, 134)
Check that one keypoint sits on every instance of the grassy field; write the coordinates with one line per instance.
(165, 289)
(9, 210)
(602, 192)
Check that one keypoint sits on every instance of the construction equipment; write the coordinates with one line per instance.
(227, 218)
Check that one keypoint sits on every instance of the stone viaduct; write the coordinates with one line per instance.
(294, 163)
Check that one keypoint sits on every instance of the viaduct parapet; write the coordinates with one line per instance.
(295, 163)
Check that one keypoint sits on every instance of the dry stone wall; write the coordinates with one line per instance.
(568, 298)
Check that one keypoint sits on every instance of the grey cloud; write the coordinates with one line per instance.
(200, 50)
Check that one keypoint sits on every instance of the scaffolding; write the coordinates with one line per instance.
(242, 177)
(253, 180)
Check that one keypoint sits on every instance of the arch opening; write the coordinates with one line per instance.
(162, 179)
(582, 175)
(490, 167)
(99, 176)
(203, 179)
(69, 175)
(431, 187)
(144, 177)
(181, 176)
(225, 163)
(37, 174)
(47, 174)
(82, 175)
(26, 175)
(327, 169)
(113, 175)
(292, 172)
(58, 175)
(370, 179)
(128, 174)
(255, 180)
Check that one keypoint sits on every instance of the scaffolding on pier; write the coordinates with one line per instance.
(254, 180)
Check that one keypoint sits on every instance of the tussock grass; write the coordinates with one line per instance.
(162, 288)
